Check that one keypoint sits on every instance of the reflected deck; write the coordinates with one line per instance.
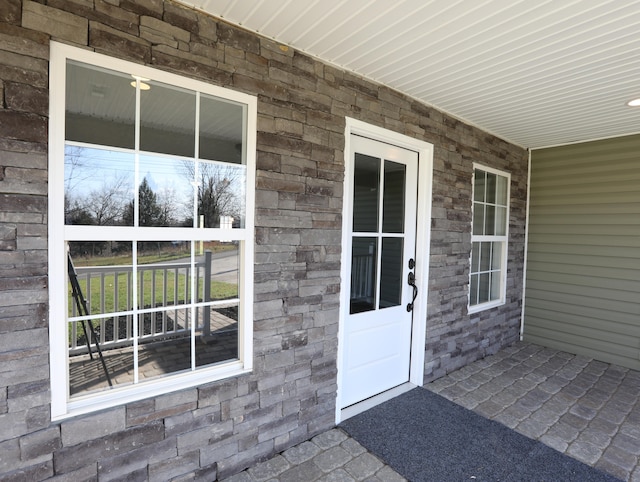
(155, 358)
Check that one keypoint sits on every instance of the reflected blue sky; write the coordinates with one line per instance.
(92, 173)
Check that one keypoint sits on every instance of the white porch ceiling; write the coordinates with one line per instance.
(534, 72)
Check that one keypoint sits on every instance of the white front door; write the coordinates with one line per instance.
(383, 195)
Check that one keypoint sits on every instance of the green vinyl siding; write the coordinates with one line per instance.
(583, 256)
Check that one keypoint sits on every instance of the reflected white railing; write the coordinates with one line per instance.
(362, 276)
(166, 315)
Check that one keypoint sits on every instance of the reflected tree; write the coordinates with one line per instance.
(75, 173)
(150, 211)
(105, 204)
(75, 213)
(91, 199)
(219, 192)
(171, 210)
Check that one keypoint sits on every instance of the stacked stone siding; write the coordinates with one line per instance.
(220, 428)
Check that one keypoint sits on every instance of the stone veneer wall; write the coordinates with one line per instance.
(219, 428)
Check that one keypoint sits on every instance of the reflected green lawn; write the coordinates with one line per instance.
(118, 296)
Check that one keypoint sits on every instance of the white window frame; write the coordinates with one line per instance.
(503, 239)
(61, 405)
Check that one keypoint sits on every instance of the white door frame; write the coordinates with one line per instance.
(423, 243)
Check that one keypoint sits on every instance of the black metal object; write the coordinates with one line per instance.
(83, 310)
(411, 281)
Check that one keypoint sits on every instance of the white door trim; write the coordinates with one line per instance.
(423, 243)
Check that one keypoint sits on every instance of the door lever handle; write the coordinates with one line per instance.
(411, 281)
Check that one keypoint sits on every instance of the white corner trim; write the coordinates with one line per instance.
(526, 246)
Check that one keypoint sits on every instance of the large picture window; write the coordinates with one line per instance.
(151, 181)
(489, 235)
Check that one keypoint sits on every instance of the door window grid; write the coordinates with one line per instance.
(378, 219)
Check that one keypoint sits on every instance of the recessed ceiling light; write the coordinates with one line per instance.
(634, 103)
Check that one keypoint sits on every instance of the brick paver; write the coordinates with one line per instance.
(330, 456)
(586, 409)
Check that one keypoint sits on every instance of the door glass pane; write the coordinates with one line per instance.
(366, 190)
(391, 272)
(363, 274)
(393, 198)
(167, 120)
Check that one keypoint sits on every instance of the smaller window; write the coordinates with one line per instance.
(489, 234)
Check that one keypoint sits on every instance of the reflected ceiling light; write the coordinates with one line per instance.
(142, 80)
(634, 103)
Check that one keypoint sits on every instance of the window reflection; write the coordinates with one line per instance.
(221, 130)
(100, 106)
(221, 195)
(100, 328)
(102, 287)
(99, 190)
(363, 274)
(165, 193)
(167, 120)
(391, 281)
(366, 182)
(97, 185)
(393, 199)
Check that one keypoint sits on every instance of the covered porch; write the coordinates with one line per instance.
(584, 409)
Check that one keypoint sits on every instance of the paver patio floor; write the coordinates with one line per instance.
(586, 409)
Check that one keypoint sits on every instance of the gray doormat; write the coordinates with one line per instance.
(426, 437)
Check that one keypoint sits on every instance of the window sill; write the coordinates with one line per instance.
(485, 306)
(120, 396)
